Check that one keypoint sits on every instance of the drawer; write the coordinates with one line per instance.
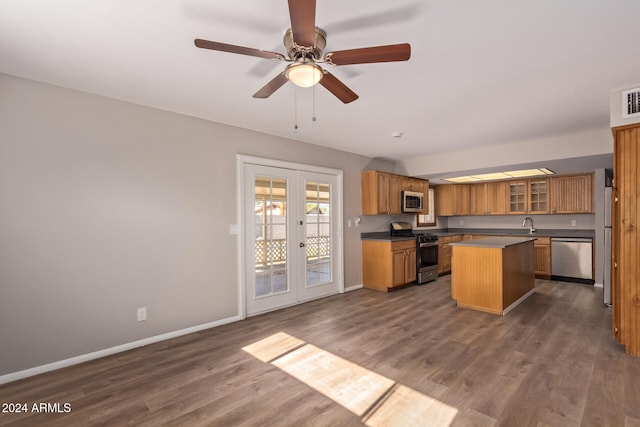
(447, 250)
(542, 241)
(403, 244)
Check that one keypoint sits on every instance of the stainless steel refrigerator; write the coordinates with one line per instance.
(607, 245)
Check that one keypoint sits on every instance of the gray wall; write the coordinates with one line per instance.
(106, 206)
(552, 222)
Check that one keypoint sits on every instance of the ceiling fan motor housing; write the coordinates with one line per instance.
(313, 52)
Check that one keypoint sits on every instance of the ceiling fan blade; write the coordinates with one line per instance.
(336, 87)
(368, 55)
(303, 21)
(275, 84)
(223, 47)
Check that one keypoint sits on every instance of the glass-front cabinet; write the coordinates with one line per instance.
(517, 197)
(539, 196)
(529, 196)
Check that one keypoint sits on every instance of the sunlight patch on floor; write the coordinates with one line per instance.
(379, 400)
(408, 407)
(346, 383)
(273, 346)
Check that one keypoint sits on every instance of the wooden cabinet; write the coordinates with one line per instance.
(541, 251)
(494, 277)
(528, 196)
(542, 257)
(444, 253)
(452, 199)
(380, 193)
(625, 268)
(572, 194)
(555, 195)
(414, 184)
(387, 265)
(488, 198)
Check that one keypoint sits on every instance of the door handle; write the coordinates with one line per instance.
(302, 245)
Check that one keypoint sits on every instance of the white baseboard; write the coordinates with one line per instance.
(353, 288)
(15, 376)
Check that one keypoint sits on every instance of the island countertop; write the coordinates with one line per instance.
(494, 242)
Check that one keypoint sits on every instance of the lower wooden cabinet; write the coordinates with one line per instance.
(444, 253)
(387, 265)
(542, 257)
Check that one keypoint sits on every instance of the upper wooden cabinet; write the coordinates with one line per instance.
(569, 194)
(414, 184)
(382, 191)
(528, 196)
(488, 198)
(572, 194)
(452, 199)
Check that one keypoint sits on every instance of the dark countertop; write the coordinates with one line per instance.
(520, 232)
(384, 235)
(494, 242)
(541, 232)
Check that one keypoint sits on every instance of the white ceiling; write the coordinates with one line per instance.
(481, 72)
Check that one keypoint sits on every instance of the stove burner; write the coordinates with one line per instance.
(428, 237)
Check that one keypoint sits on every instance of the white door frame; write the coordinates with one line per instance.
(241, 161)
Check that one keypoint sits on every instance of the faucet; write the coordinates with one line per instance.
(531, 229)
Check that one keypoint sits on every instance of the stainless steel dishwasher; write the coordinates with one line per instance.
(572, 259)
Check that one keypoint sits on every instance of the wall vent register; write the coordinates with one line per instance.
(631, 103)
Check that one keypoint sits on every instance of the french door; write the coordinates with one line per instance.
(291, 237)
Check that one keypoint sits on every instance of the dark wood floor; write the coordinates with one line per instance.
(551, 361)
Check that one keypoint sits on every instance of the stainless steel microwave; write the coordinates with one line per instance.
(412, 201)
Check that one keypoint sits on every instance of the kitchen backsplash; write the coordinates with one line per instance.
(581, 221)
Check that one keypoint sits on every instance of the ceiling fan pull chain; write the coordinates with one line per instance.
(295, 107)
(313, 117)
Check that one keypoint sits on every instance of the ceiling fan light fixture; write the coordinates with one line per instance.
(304, 74)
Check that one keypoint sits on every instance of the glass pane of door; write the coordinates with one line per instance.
(270, 236)
(318, 233)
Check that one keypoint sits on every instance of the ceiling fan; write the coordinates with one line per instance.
(304, 43)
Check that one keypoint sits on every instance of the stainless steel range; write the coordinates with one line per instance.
(426, 250)
(427, 254)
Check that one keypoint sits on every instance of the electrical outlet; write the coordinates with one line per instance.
(573, 223)
(348, 223)
(461, 222)
(142, 314)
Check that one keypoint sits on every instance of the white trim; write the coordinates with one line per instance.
(283, 164)
(598, 285)
(240, 236)
(518, 301)
(241, 161)
(353, 288)
(14, 376)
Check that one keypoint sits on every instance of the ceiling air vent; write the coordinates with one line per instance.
(631, 103)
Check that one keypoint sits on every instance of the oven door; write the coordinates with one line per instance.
(427, 254)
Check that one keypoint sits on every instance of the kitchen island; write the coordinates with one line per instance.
(492, 274)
